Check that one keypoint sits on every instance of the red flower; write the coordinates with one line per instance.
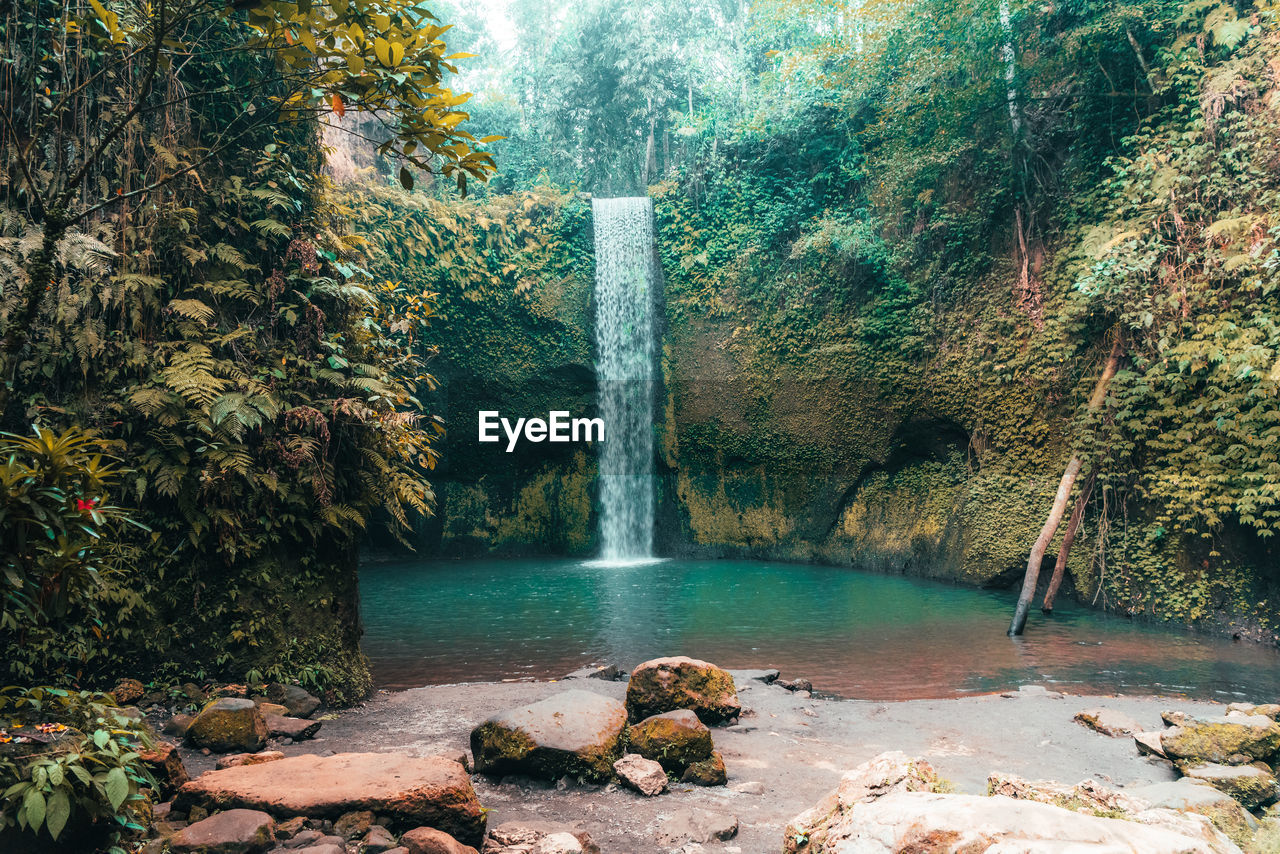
(85, 506)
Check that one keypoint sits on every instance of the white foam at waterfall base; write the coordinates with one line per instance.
(624, 369)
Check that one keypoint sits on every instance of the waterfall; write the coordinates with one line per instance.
(625, 363)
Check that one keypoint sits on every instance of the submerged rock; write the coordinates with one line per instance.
(643, 775)
(1248, 784)
(1199, 740)
(666, 684)
(230, 832)
(576, 733)
(229, 725)
(407, 791)
(1108, 722)
(674, 739)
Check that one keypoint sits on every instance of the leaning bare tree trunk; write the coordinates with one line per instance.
(1050, 528)
(1068, 538)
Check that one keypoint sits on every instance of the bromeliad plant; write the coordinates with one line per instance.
(58, 548)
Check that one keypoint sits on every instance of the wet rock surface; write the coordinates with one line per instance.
(575, 733)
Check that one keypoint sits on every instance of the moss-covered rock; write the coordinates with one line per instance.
(1217, 739)
(675, 740)
(667, 684)
(1248, 784)
(708, 772)
(229, 725)
(576, 733)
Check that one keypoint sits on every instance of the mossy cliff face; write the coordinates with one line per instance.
(803, 433)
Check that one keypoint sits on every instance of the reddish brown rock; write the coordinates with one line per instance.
(128, 691)
(428, 840)
(230, 832)
(409, 791)
(165, 764)
(295, 728)
(666, 684)
(235, 760)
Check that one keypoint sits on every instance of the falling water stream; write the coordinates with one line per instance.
(625, 277)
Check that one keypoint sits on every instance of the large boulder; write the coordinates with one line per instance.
(299, 703)
(666, 684)
(1218, 739)
(674, 739)
(888, 772)
(921, 822)
(575, 733)
(408, 791)
(229, 725)
(230, 832)
(1250, 785)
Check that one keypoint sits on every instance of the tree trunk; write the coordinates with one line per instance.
(1068, 537)
(1036, 558)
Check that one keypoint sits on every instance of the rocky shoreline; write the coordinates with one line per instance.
(684, 757)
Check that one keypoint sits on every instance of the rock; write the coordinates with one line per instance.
(1215, 739)
(165, 765)
(292, 827)
(693, 825)
(750, 788)
(407, 791)
(1248, 784)
(927, 822)
(643, 775)
(353, 824)
(296, 728)
(271, 708)
(667, 684)
(235, 760)
(1174, 718)
(1108, 722)
(675, 739)
(795, 684)
(1149, 744)
(888, 772)
(557, 843)
(1088, 797)
(377, 840)
(193, 692)
(766, 676)
(299, 703)
(229, 725)
(578, 733)
(230, 832)
(128, 691)
(1186, 795)
(428, 840)
(304, 838)
(708, 772)
(234, 691)
(178, 725)
(598, 671)
(519, 837)
(321, 847)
